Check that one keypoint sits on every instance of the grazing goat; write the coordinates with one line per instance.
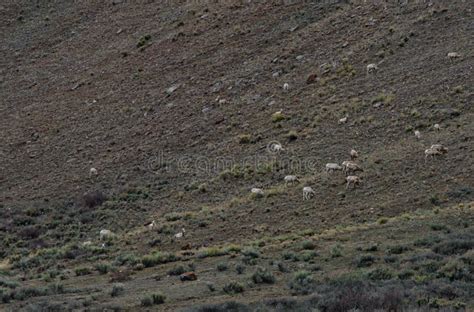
(430, 152)
(330, 167)
(453, 55)
(291, 179)
(286, 86)
(180, 234)
(435, 150)
(354, 180)
(440, 148)
(437, 127)
(257, 191)
(308, 193)
(354, 154)
(150, 225)
(105, 234)
(342, 120)
(417, 134)
(276, 147)
(93, 172)
(372, 68)
(350, 167)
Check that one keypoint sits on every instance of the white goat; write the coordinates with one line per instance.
(372, 68)
(437, 127)
(93, 172)
(276, 147)
(330, 167)
(343, 120)
(417, 134)
(354, 154)
(350, 167)
(291, 179)
(180, 234)
(440, 148)
(453, 55)
(106, 234)
(257, 191)
(354, 180)
(308, 193)
(430, 152)
(151, 225)
(286, 87)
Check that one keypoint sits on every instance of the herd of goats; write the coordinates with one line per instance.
(348, 167)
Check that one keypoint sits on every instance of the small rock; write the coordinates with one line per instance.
(172, 89)
(217, 87)
(299, 57)
(188, 276)
(311, 78)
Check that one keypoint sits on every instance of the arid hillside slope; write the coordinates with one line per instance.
(174, 104)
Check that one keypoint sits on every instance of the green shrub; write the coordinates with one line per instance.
(308, 255)
(278, 116)
(233, 288)
(426, 241)
(244, 139)
(336, 251)
(454, 246)
(240, 268)
(396, 249)
(365, 261)
(221, 267)
(117, 289)
(212, 252)
(250, 253)
(262, 275)
(8, 284)
(174, 216)
(438, 227)
(211, 286)
(147, 301)
(302, 283)
(103, 268)
(152, 299)
(143, 41)
(82, 271)
(177, 270)
(292, 135)
(158, 258)
(289, 255)
(380, 274)
(456, 270)
(307, 244)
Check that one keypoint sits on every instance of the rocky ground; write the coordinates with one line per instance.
(175, 106)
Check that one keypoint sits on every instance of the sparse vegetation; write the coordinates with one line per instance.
(302, 283)
(278, 116)
(158, 258)
(233, 288)
(263, 275)
(153, 299)
(174, 105)
(117, 290)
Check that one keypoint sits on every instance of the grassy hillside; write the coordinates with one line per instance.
(175, 106)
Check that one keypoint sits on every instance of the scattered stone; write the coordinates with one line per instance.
(311, 78)
(172, 89)
(188, 276)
